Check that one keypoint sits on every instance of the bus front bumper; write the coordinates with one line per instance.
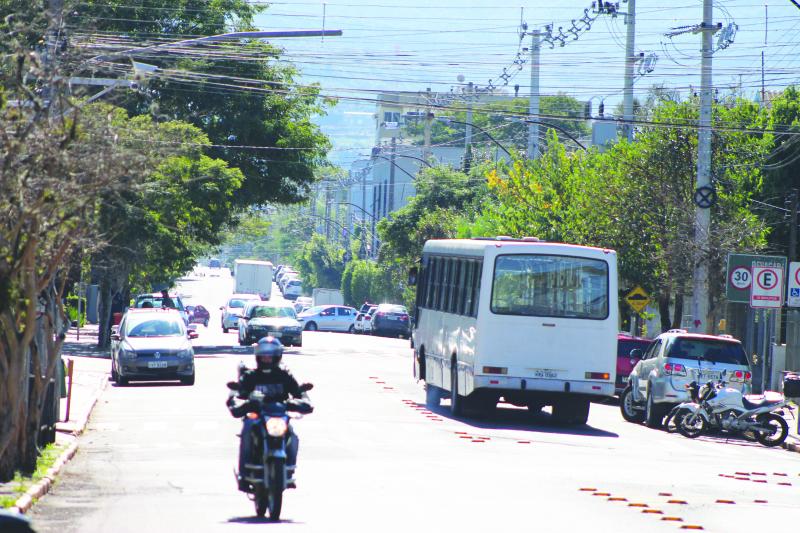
(533, 384)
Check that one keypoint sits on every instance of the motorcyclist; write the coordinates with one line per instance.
(275, 381)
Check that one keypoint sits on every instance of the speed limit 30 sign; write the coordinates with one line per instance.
(766, 288)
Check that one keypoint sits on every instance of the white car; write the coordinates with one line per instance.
(232, 310)
(292, 289)
(363, 323)
(329, 318)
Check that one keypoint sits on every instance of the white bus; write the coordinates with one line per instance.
(534, 323)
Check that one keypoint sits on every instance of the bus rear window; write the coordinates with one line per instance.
(550, 286)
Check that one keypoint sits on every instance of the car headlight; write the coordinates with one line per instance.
(127, 354)
(293, 329)
(276, 427)
(185, 354)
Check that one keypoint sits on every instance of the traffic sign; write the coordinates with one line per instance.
(638, 299)
(740, 274)
(793, 295)
(766, 290)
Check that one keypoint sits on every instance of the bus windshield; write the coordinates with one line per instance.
(550, 286)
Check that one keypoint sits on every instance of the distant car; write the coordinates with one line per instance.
(155, 300)
(301, 303)
(390, 319)
(292, 289)
(329, 318)
(675, 359)
(233, 308)
(625, 363)
(214, 263)
(152, 344)
(363, 323)
(260, 319)
(198, 314)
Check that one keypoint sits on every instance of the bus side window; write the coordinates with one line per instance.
(468, 279)
(422, 282)
(445, 294)
(432, 267)
(476, 288)
(455, 286)
(437, 284)
(461, 289)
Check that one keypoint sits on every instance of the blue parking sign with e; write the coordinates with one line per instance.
(794, 293)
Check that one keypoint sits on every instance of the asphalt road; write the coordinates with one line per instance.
(160, 457)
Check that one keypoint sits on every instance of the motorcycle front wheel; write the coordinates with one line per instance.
(691, 425)
(261, 499)
(778, 429)
(275, 489)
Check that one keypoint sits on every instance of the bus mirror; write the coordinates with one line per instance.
(412, 276)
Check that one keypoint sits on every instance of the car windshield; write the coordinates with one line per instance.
(268, 311)
(710, 350)
(236, 303)
(153, 327)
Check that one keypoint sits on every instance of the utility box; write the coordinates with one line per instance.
(604, 134)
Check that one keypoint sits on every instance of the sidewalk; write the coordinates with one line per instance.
(89, 379)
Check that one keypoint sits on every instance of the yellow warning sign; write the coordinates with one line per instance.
(638, 299)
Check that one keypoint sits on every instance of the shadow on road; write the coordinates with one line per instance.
(522, 420)
(83, 349)
(257, 520)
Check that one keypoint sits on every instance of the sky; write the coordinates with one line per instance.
(412, 46)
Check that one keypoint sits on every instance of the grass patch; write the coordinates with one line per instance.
(20, 484)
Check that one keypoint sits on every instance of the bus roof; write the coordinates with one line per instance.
(479, 245)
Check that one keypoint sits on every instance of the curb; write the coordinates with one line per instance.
(26, 501)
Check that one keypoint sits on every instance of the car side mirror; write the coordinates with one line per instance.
(115, 337)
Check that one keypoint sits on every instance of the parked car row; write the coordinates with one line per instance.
(288, 281)
(384, 319)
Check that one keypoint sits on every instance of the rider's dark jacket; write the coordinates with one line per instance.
(276, 383)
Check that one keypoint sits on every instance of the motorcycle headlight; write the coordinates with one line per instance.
(276, 427)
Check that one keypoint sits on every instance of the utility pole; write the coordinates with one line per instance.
(533, 102)
(703, 214)
(328, 193)
(392, 166)
(630, 63)
(468, 131)
(793, 315)
(426, 150)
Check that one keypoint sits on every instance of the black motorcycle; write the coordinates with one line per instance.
(265, 470)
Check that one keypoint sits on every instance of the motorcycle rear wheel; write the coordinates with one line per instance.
(779, 426)
(691, 425)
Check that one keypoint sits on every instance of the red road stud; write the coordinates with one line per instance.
(692, 526)
(726, 501)
(617, 499)
(587, 489)
(638, 505)
(780, 474)
(760, 501)
(652, 511)
(672, 518)
(759, 481)
(678, 502)
(601, 494)
(759, 473)
(785, 484)
(523, 442)
(665, 494)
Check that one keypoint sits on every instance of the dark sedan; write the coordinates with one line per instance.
(261, 319)
(198, 314)
(152, 345)
(389, 319)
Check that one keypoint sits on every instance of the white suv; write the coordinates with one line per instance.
(234, 308)
(675, 359)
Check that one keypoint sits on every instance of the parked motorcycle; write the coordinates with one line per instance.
(266, 470)
(716, 406)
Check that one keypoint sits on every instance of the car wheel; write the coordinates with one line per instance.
(114, 376)
(571, 411)
(653, 413)
(121, 381)
(351, 329)
(629, 413)
(433, 396)
(188, 380)
(224, 329)
(311, 326)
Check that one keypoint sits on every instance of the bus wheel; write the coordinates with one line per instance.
(571, 411)
(433, 396)
(456, 408)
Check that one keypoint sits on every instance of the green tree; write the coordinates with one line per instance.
(320, 263)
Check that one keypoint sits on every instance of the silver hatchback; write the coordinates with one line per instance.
(675, 359)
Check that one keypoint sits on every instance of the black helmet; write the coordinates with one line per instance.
(269, 351)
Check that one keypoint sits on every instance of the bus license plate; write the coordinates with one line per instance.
(545, 374)
(157, 364)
